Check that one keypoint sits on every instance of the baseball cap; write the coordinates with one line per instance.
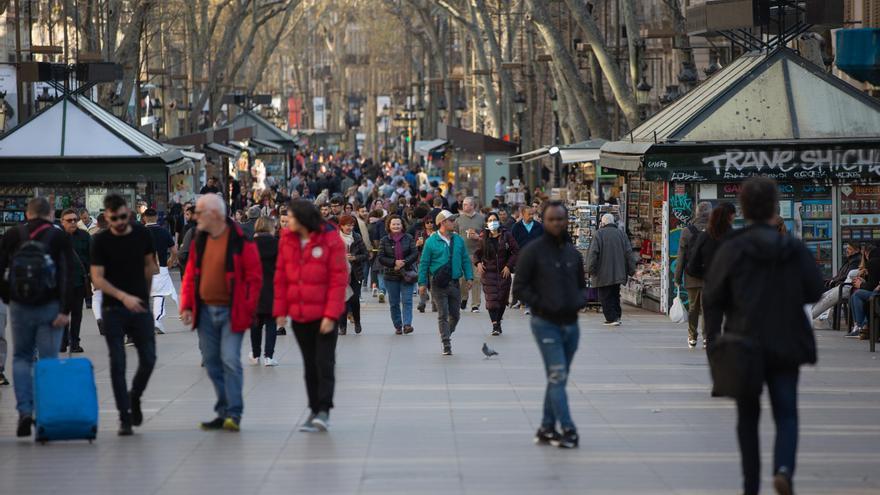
(444, 215)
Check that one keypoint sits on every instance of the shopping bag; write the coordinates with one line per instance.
(677, 313)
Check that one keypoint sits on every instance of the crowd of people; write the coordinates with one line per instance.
(307, 259)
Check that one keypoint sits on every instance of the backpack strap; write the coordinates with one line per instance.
(39, 230)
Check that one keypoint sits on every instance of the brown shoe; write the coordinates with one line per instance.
(407, 329)
(398, 331)
(864, 334)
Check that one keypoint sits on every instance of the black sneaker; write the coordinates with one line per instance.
(158, 331)
(357, 328)
(77, 349)
(125, 429)
(3, 379)
(421, 307)
(447, 349)
(101, 327)
(281, 331)
(343, 329)
(63, 349)
(137, 416)
(215, 424)
(568, 440)
(398, 331)
(546, 436)
(496, 329)
(464, 305)
(24, 426)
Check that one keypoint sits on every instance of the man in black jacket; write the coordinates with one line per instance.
(37, 327)
(760, 281)
(865, 287)
(550, 279)
(81, 241)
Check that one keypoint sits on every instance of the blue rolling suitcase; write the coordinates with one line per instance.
(65, 400)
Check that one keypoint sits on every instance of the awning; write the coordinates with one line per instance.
(193, 155)
(579, 155)
(178, 167)
(623, 155)
(426, 147)
(223, 150)
(240, 145)
(529, 156)
(266, 144)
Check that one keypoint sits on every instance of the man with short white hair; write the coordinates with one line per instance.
(469, 225)
(218, 297)
(610, 262)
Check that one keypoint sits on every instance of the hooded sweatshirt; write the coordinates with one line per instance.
(761, 280)
(701, 221)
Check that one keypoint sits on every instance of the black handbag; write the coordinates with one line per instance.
(443, 276)
(737, 366)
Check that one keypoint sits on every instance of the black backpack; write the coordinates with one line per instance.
(697, 270)
(32, 270)
(689, 253)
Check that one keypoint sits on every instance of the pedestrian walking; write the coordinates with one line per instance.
(310, 280)
(219, 297)
(87, 222)
(760, 282)
(495, 259)
(398, 254)
(425, 230)
(39, 304)
(377, 233)
(267, 247)
(446, 263)
(97, 296)
(700, 260)
(123, 265)
(469, 224)
(550, 279)
(610, 262)
(166, 255)
(81, 242)
(524, 231)
(692, 284)
(357, 254)
(249, 224)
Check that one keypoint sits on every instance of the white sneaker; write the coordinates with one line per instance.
(254, 361)
(270, 361)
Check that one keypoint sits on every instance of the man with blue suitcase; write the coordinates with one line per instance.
(123, 264)
(37, 286)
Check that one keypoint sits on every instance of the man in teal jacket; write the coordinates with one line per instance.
(436, 257)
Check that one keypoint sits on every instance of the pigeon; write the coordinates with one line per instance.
(488, 352)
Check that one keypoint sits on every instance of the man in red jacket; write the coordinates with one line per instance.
(219, 298)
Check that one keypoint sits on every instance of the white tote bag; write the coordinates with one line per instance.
(677, 313)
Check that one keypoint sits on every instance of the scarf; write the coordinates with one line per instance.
(348, 239)
(398, 246)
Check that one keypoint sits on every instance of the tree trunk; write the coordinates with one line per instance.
(504, 75)
(632, 41)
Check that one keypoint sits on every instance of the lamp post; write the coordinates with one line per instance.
(484, 113)
(557, 166)
(420, 112)
(442, 110)
(460, 108)
(643, 97)
(385, 111)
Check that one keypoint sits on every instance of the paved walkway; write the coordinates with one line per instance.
(409, 421)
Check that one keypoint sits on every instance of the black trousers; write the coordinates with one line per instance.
(609, 297)
(319, 363)
(496, 315)
(353, 305)
(119, 322)
(71, 331)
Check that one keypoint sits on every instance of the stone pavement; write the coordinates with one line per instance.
(409, 421)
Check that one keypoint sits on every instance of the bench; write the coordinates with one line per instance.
(873, 321)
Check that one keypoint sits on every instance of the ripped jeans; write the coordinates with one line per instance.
(558, 344)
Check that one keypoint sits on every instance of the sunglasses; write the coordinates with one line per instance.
(123, 217)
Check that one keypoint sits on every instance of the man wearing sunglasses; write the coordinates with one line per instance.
(123, 264)
(81, 243)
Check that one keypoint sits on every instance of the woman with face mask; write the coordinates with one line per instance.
(495, 259)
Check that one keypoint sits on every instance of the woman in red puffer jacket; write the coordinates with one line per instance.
(311, 275)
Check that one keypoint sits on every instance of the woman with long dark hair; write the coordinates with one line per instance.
(267, 246)
(398, 254)
(495, 259)
(705, 247)
(311, 276)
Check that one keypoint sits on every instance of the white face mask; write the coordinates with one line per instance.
(493, 225)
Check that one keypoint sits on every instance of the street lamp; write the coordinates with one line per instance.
(385, 111)
(643, 96)
(460, 107)
(442, 110)
(520, 103)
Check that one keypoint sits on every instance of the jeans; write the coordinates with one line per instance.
(257, 336)
(859, 301)
(4, 347)
(695, 309)
(221, 351)
(71, 331)
(448, 300)
(400, 292)
(319, 363)
(119, 322)
(782, 385)
(32, 330)
(353, 305)
(557, 343)
(609, 298)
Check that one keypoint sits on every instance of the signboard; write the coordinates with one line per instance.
(833, 163)
(320, 118)
(8, 85)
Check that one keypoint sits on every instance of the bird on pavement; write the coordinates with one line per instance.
(488, 352)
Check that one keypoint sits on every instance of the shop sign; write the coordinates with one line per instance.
(786, 191)
(783, 164)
